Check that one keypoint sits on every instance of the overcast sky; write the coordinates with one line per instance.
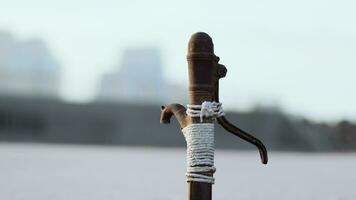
(297, 55)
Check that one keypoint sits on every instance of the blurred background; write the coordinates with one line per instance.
(96, 73)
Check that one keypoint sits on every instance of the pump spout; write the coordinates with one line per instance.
(177, 110)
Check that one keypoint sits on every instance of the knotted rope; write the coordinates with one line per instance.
(206, 109)
(200, 142)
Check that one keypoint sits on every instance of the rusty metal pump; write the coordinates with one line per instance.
(204, 74)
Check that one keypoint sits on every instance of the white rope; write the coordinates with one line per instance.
(200, 142)
(206, 109)
(200, 152)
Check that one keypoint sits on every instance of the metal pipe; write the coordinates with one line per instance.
(204, 74)
(177, 110)
(245, 136)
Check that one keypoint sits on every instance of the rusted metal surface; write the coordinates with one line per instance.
(204, 74)
(199, 191)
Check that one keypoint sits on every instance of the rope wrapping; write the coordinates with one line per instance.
(206, 109)
(200, 142)
(200, 152)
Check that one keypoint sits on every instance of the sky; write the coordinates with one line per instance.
(295, 55)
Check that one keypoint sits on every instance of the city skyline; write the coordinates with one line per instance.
(27, 68)
(298, 56)
(257, 102)
(139, 79)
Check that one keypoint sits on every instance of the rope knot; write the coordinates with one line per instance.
(206, 109)
(200, 142)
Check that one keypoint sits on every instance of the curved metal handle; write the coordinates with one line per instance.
(221, 72)
(245, 136)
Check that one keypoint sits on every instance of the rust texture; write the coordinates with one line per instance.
(204, 74)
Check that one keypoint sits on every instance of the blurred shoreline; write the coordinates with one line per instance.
(40, 146)
(42, 120)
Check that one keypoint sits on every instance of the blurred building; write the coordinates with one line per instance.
(139, 79)
(27, 68)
